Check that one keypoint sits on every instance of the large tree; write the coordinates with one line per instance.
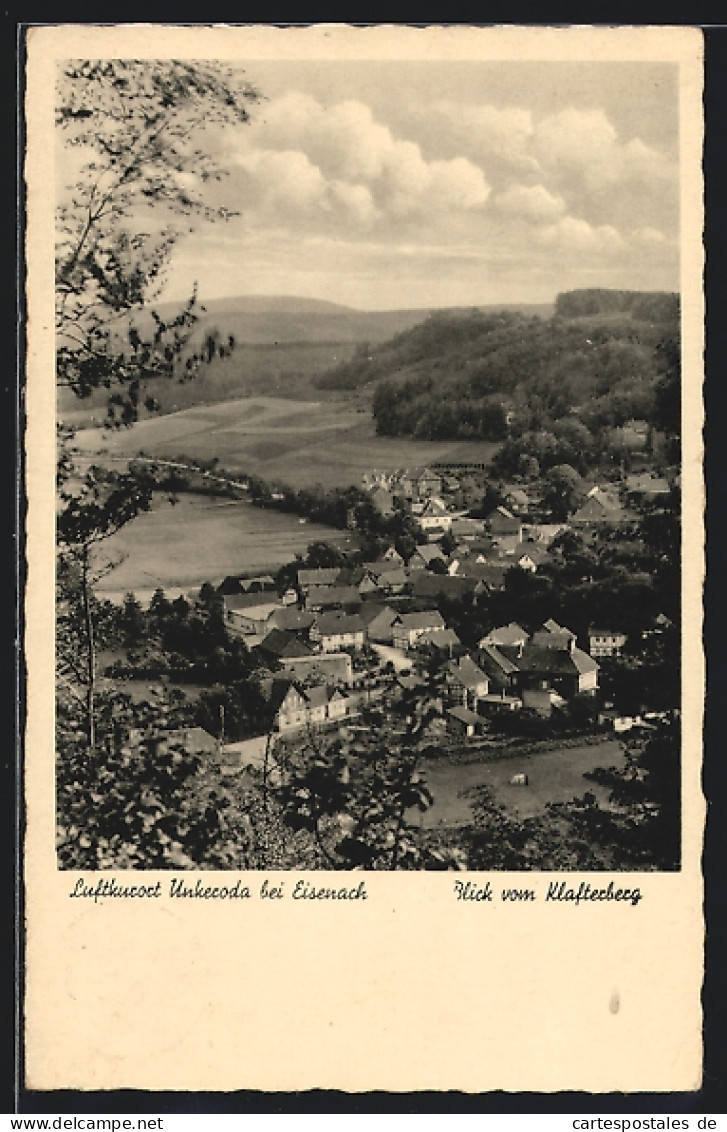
(136, 162)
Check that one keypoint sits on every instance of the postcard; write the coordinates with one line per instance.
(364, 558)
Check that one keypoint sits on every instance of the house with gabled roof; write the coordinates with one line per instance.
(503, 523)
(599, 507)
(334, 631)
(378, 620)
(501, 670)
(391, 554)
(464, 723)
(441, 640)
(250, 613)
(434, 516)
(323, 576)
(295, 707)
(424, 555)
(466, 682)
(332, 597)
(407, 628)
(510, 634)
(281, 643)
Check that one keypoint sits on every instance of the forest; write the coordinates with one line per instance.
(602, 360)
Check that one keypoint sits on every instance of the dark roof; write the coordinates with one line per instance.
(332, 596)
(280, 642)
(324, 576)
(464, 715)
(432, 585)
(429, 552)
(370, 610)
(466, 671)
(495, 661)
(291, 618)
(329, 624)
(550, 662)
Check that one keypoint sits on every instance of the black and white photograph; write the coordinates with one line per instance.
(369, 465)
(365, 543)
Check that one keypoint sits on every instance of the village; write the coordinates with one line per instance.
(332, 640)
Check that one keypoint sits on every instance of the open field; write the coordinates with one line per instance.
(202, 539)
(296, 442)
(553, 776)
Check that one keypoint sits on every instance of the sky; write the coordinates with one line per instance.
(406, 184)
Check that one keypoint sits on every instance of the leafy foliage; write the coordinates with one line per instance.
(134, 130)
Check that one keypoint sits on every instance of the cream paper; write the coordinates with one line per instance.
(409, 989)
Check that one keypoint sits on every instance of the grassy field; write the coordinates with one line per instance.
(201, 539)
(296, 442)
(553, 776)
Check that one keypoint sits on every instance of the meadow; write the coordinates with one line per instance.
(553, 776)
(179, 546)
(296, 442)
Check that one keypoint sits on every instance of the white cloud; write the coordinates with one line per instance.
(582, 148)
(484, 133)
(530, 202)
(573, 234)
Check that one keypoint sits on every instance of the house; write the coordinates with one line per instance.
(428, 483)
(378, 620)
(605, 642)
(391, 554)
(529, 555)
(261, 583)
(407, 628)
(293, 619)
(423, 557)
(250, 613)
(501, 670)
(553, 636)
(466, 682)
(332, 597)
(387, 577)
(599, 507)
(336, 631)
(308, 579)
(511, 634)
(434, 516)
(646, 485)
(464, 724)
(296, 707)
(281, 643)
(442, 640)
(490, 575)
(255, 752)
(429, 587)
(552, 660)
(502, 523)
(463, 527)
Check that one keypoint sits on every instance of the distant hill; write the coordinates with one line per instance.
(479, 374)
(282, 345)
